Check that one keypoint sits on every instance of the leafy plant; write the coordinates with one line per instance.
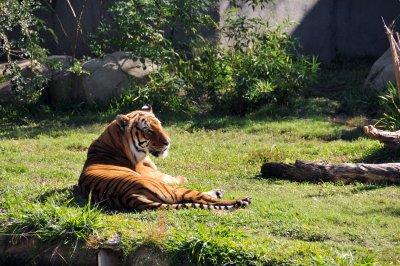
(148, 28)
(77, 69)
(391, 104)
(268, 66)
(18, 17)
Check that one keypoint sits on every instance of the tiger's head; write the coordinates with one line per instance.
(144, 133)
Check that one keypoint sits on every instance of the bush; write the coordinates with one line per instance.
(262, 65)
(17, 17)
(267, 65)
(148, 28)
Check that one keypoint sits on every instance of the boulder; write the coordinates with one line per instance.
(6, 92)
(107, 77)
(381, 72)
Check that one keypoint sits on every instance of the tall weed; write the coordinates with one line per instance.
(391, 104)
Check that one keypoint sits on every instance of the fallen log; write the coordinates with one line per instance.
(387, 173)
(386, 137)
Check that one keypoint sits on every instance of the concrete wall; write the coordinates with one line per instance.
(331, 28)
(327, 28)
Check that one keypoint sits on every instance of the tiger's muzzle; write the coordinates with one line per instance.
(160, 153)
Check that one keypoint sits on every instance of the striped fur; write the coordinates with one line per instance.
(119, 172)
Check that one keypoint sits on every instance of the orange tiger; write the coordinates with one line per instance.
(119, 171)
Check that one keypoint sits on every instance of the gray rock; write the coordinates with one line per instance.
(6, 93)
(381, 72)
(108, 77)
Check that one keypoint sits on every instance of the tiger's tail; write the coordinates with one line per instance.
(141, 203)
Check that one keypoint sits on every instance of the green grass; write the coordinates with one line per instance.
(287, 223)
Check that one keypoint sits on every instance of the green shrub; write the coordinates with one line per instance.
(148, 28)
(267, 65)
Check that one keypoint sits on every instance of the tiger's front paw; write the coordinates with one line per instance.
(216, 193)
(181, 179)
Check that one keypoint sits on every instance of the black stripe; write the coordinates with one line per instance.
(130, 200)
(161, 191)
(134, 144)
(138, 138)
(111, 138)
(184, 194)
(170, 192)
(130, 187)
(157, 196)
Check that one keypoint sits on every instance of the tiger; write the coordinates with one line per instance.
(119, 172)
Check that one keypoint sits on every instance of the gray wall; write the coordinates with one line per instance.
(331, 28)
(327, 28)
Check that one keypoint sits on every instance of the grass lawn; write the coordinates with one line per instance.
(287, 223)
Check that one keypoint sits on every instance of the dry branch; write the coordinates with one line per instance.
(395, 51)
(388, 173)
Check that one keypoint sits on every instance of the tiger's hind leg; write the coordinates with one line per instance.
(191, 196)
(147, 193)
(140, 203)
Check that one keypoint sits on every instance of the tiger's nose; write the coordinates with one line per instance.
(166, 143)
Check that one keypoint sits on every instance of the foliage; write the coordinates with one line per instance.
(391, 104)
(266, 62)
(148, 28)
(263, 64)
(77, 69)
(17, 19)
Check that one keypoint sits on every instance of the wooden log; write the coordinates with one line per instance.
(387, 173)
(390, 139)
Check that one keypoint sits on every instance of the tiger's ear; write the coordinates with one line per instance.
(122, 121)
(147, 108)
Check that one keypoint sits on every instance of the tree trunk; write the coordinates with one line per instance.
(388, 173)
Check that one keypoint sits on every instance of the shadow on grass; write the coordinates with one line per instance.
(71, 191)
(302, 108)
(325, 192)
(77, 199)
(56, 124)
(53, 125)
(387, 211)
(381, 155)
(352, 134)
